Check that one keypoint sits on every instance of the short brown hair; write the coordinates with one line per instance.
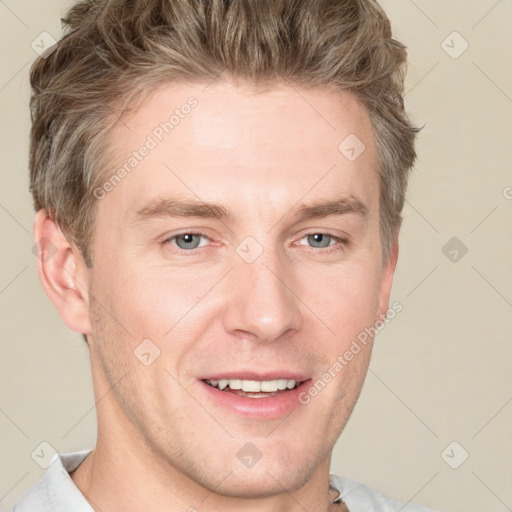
(114, 52)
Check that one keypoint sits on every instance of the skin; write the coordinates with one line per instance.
(162, 443)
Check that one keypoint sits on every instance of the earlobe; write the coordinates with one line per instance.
(62, 272)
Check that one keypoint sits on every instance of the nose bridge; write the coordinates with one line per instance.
(263, 302)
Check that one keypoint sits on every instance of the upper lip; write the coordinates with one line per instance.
(251, 375)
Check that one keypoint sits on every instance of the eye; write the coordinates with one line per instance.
(324, 240)
(187, 241)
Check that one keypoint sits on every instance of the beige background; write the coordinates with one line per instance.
(442, 369)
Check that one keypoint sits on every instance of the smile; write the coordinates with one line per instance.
(254, 388)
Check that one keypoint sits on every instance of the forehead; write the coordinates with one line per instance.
(222, 142)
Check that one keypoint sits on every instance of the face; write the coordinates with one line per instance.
(240, 250)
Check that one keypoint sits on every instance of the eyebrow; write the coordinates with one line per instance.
(182, 208)
(340, 206)
(169, 207)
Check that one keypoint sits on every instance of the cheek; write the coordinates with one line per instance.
(148, 302)
(347, 299)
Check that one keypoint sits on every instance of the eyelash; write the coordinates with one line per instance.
(327, 250)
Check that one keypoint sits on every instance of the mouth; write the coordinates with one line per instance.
(254, 388)
(247, 394)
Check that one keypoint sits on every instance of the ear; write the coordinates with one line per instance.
(388, 272)
(63, 273)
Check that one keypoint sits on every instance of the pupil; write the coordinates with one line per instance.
(320, 239)
(187, 240)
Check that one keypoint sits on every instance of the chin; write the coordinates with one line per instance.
(275, 471)
(263, 483)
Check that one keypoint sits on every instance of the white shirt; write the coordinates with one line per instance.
(56, 492)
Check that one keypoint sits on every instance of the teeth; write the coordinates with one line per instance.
(270, 386)
(235, 384)
(282, 384)
(254, 386)
(250, 385)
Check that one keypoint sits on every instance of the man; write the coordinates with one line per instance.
(219, 184)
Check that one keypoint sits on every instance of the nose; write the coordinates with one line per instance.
(263, 303)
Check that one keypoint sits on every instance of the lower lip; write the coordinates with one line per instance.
(269, 407)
